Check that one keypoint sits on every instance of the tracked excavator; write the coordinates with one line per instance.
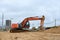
(25, 24)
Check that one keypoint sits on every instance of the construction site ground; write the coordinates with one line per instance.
(50, 34)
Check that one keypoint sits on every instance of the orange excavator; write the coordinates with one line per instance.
(25, 24)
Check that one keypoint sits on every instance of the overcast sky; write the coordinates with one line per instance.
(17, 10)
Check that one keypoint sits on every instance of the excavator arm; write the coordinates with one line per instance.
(32, 18)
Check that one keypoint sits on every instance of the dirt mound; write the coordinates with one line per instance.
(29, 36)
(53, 30)
(50, 34)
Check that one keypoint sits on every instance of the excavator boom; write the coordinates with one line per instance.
(29, 19)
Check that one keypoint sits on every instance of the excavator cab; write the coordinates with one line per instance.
(27, 25)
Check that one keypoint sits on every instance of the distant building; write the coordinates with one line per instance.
(8, 24)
